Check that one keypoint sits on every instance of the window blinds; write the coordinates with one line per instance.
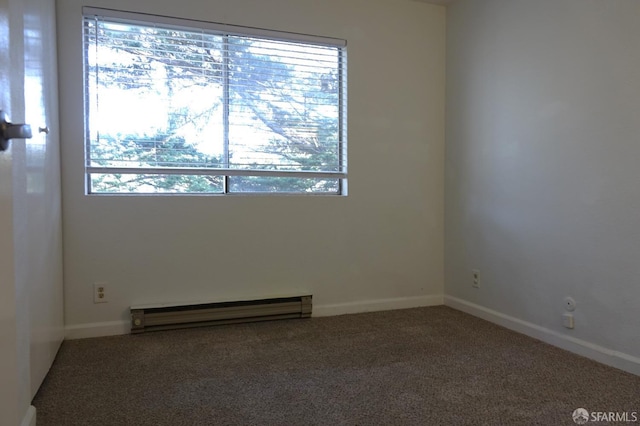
(189, 106)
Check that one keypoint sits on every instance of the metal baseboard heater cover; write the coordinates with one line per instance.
(196, 315)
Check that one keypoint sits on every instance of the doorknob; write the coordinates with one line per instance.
(9, 131)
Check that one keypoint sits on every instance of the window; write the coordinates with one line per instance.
(175, 106)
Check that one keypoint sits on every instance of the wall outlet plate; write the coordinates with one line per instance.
(568, 321)
(476, 278)
(100, 292)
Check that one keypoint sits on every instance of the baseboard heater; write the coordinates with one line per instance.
(166, 317)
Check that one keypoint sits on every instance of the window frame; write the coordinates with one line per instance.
(224, 30)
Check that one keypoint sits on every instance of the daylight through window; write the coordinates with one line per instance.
(176, 106)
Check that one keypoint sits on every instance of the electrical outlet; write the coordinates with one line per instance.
(476, 278)
(568, 321)
(100, 292)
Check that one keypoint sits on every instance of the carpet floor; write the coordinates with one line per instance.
(424, 366)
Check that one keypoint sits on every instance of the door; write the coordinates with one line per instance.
(31, 323)
(14, 348)
(42, 189)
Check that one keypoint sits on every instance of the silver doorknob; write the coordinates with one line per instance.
(10, 131)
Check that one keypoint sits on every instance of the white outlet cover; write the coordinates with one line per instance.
(567, 320)
(105, 293)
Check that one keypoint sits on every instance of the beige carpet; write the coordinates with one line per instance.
(426, 366)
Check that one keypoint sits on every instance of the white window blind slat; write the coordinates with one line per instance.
(116, 16)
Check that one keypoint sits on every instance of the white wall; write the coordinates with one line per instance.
(542, 176)
(380, 247)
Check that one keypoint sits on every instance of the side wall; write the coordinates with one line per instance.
(542, 178)
(380, 247)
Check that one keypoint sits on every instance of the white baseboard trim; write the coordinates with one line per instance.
(96, 329)
(376, 305)
(29, 418)
(116, 328)
(581, 347)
